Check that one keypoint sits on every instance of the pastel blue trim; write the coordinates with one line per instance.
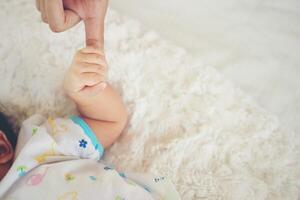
(89, 132)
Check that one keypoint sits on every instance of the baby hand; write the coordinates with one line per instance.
(87, 75)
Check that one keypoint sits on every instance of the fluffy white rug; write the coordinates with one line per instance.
(254, 43)
(186, 121)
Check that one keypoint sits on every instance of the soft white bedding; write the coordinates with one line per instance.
(254, 43)
(61, 159)
(186, 121)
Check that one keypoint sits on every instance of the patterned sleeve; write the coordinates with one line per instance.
(74, 137)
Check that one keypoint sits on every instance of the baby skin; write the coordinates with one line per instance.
(98, 103)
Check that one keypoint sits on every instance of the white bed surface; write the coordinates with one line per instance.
(254, 43)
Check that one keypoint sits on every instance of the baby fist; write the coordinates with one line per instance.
(87, 74)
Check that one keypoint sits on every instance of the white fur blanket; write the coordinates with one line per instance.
(186, 121)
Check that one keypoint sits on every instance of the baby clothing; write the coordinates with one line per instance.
(60, 159)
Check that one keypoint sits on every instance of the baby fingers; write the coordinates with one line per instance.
(93, 68)
(91, 49)
(91, 79)
(92, 58)
(90, 91)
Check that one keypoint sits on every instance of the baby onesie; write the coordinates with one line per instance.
(60, 159)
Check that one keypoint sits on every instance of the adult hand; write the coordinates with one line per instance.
(64, 14)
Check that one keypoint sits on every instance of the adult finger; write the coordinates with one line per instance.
(58, 18)
(94, 32)
(94, 26)
(43, 11)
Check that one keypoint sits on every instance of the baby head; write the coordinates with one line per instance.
(7, 145)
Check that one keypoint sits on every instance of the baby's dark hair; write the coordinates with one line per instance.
(7, 129)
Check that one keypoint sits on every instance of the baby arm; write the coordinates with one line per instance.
(98, 103)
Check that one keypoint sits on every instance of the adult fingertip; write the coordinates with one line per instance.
(93, 43)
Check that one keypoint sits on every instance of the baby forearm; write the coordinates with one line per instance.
(100, 106)
(105, 106)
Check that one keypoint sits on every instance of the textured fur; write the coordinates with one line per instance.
(186, 120)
